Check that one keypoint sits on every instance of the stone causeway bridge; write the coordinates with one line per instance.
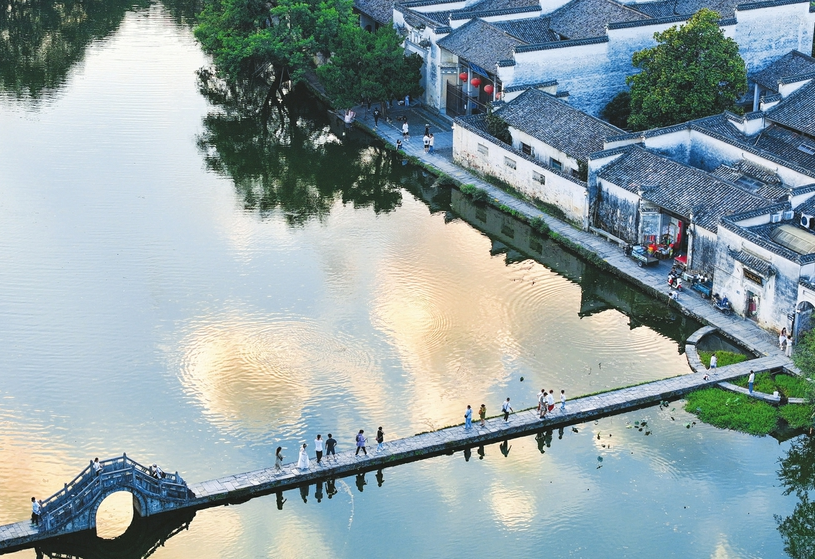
(73, 508)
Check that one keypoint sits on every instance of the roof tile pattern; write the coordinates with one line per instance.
(792, 64)
(667, 8)
(380, 10)
(797, 112)
(585, 19)
(679, 188)
(556, 123)
(530, 30)
(481, 43)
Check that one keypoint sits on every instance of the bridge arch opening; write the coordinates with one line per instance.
(115, 514)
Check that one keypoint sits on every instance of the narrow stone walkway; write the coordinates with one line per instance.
(418, 447)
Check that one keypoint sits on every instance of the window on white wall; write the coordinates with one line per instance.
(538, 177)
(509, 162)
(527, 149)
(555, 164)
(483, 150)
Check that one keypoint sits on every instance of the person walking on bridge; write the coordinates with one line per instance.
(97, 467)
(278, 459)
(482, 413)
(36, 511)
(318, 448)
(507, 409)
(361, 443)
(380, 439)
(330, 446)
(302, 462)
(468, 418)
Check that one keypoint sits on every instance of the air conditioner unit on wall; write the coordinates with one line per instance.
(807, 221)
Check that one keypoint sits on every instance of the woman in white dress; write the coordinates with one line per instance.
(302, 462)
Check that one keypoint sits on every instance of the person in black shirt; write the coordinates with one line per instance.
(330, 445)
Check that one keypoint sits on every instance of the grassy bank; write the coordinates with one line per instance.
(740, 412)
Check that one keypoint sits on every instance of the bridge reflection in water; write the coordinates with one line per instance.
(142, 538)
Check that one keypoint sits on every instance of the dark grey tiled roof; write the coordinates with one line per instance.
(531, 30)
(769, 3)
(771, 189)
(797, 112)
(583, 19)
(679, 188)
(761, 237)
(481, 43)
(774, 143)
(380, 10)
(556, 123)
(666, 8)
(442, 17)
(491, 5)
(525, 86)
(791, 64)
(756, 264)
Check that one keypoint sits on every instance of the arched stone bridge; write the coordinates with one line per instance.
(74, 507)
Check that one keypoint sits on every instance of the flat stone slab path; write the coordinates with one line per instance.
(240, 487)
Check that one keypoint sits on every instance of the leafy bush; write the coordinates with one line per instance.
(725, 358)
(446, 181)
(539, 225)
(732, 411)
(481, 195)
(792, 387)
(797, 416)
(468, 189)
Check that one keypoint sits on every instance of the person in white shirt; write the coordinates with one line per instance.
(97, 467)
(714, 361)
(507, 409)
(36, 510)
(550, 400)
(405, 131)
(318, 447)
(562, 400)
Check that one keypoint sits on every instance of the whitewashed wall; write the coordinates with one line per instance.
(567, 193)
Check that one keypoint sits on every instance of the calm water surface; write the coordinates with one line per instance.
(185, 284)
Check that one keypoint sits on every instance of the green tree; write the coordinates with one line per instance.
(273, 40)
(497, 126)
(797, 475)
(804, 359)
(618, 110)
(370, 65)
(694, 71)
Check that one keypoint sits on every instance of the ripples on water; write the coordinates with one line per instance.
(150, 306)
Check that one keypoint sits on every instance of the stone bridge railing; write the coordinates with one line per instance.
(74, 507)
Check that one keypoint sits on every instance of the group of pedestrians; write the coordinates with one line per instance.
(329, 448)
(546, 402)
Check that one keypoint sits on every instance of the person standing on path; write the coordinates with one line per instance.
(278, 459)
(432, 140)
(750, 380)
(482, 413)
(714, 361)
(788, 349)
(543, 404)
(468, 418)
(380, 438)
(330, 446)
(405, 131)
(361, 443)
(506, 409)
(398, 144)
(302, 462)
(562, 400)
(97, 467)
(376, 118)
(550, 400)
(541, 393)
(426, 143)
(318, 448)
(782, 339)
(36, 511)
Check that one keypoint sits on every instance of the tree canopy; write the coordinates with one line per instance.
(693, 71)
(369, 65)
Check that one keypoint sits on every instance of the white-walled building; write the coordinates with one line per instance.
(551, 142)
(583, 47)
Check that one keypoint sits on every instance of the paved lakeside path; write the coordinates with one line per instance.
(241, 487)
(652, 280)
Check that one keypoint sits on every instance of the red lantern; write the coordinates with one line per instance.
(475, 82)
(488, 89)
(463, 76)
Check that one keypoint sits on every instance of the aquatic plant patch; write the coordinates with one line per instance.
(732, 411)
(724, 358)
